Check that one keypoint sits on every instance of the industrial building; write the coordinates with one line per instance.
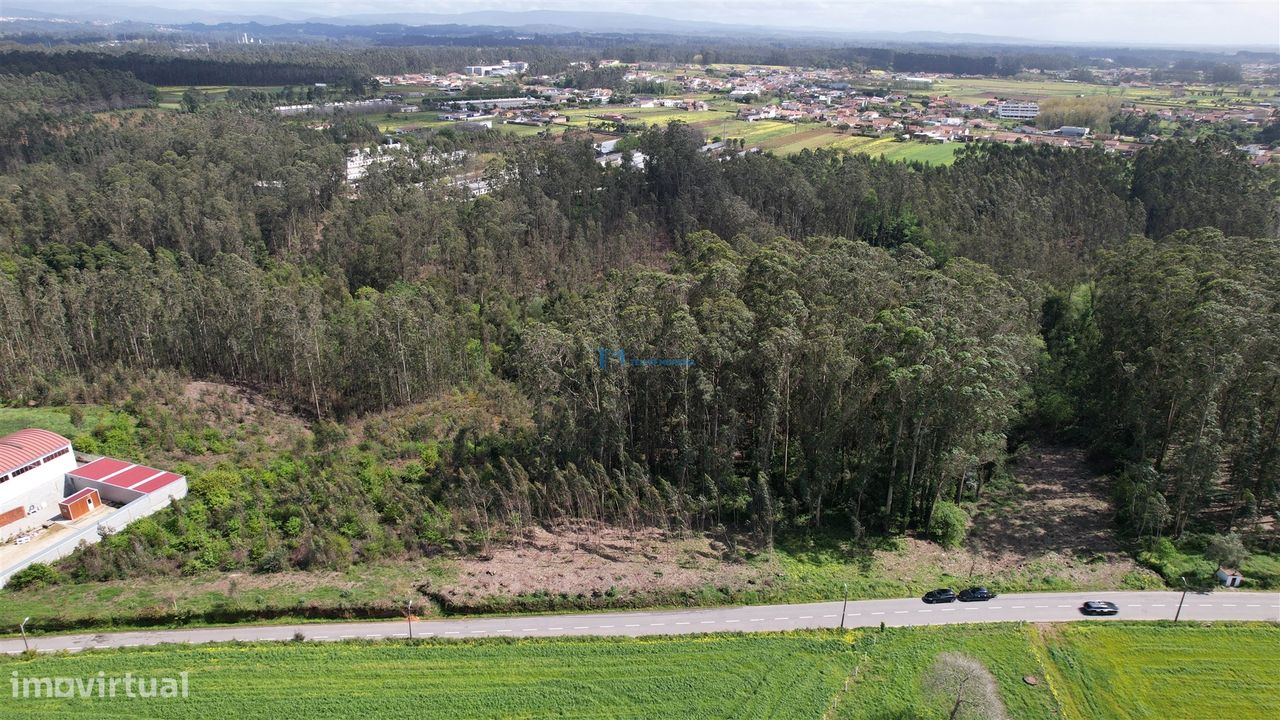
(51, 500)
(507, 67)
(1018, 110)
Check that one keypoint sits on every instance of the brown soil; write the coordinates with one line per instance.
(591, 559)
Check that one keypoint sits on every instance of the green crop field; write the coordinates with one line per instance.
(1129, 672)
(776, 676)
(889, 677)
(1086, 671)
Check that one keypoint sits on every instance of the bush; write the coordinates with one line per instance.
(34, 575)
(949, 524)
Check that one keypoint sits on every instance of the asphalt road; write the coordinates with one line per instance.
(1028, 607)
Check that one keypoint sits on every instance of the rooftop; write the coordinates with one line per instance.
(25, 446)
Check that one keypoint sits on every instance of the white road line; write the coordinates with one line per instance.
(555, 628)
(348, 637)
(657, 624)
(528, 629)
(806, 617)
(707, 622)
(1017, 607)
(1206, 605)
(450, 632)
(632, 625)
(924, 611)
(830, 616)
(854, 614)
(731, 621)
(509, 630)
(1161, 605)
(320, 637)
(476, 632)
(682, 623)
(786, 618)
(877, 613)
(1228, 604)
(901, 612)
(756, 620)
(401, 635)
(1041, 607)
(1253, 606)
(581, 627)
(373, 636)
(1064, 606)
(605, 626)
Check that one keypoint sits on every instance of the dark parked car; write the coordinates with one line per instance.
(1099, 607)
(942, 595)
(976, 593)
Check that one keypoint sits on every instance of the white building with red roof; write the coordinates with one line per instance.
(45, 492)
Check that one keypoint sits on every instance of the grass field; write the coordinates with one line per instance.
(1088, 671)
(1167, 671)
(888, 677)
(776, 676)
(56, 419)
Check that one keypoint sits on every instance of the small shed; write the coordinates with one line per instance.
(74, 507)
(1229, 577)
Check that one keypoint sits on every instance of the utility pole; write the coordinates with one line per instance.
(410, 617)
(844, 607)
(1178, 614)
(23, 629)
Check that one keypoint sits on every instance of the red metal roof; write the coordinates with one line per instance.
(125, 475)
(24, 446)
(101, 468)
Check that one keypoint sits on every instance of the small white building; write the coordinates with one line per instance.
(1229, 577)
(33, 467)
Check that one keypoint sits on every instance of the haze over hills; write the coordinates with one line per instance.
(533, 21)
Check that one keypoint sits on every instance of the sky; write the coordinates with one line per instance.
(1182, 22)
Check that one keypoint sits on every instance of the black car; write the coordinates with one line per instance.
(1099, 607)
(975, 594)
(942, 595)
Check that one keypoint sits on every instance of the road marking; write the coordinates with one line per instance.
(509, 629)
(707, 622)
(946, 610)
(632, 625)
(756, 620)
(101, 647)
(682, 623)
(806, 617)
(1041, 607)
(320, 637)
(1137, 605)
(854, 614)
(450, 632)
(581, 627)
(555, 628)
(528, 629)
(475, 632)
(401, 635)
(656, 624)
(373, 636)
(1160, 605)
(1253, 606)
(731, 621)
(877, 613)
(901, 612)
(348, 637)
(1206, 605)
(1228, 604)
(1064, 606)
(971, 609)
(1017, 607)
(830, 616)
(606, 626)
(786, 618)
(924, 611)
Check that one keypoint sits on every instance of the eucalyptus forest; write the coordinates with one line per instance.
(864, 341)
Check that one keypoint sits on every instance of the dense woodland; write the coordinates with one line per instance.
(869, 340)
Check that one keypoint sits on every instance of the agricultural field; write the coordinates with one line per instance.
(775, 676)
(1132, 672)
(54, 419)
(1086, 671)
(888, 677)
